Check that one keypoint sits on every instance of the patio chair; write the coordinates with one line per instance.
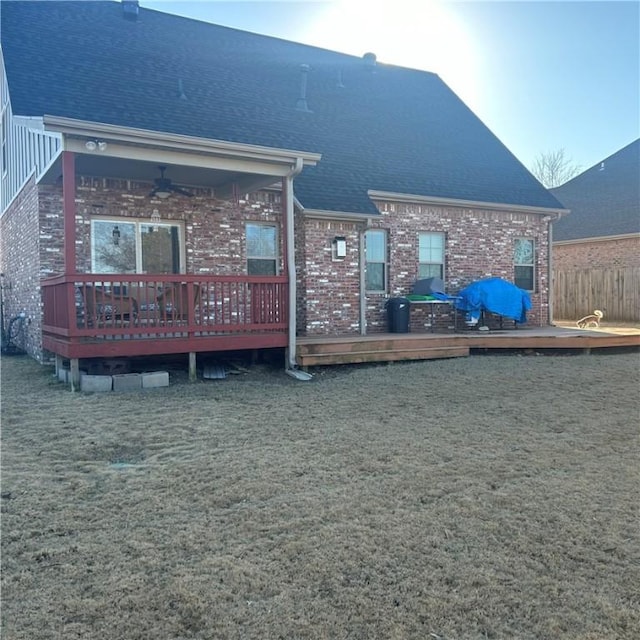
(174, 302)
(103, 307)
(146, 296)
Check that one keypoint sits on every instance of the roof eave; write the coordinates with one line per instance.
(177, 142)
(326, 214)
(469, 204)
(620, 236)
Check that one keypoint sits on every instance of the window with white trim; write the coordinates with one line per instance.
(125, 245)
(524, 263)
(376, 260)
(262, 250)
(430, 255)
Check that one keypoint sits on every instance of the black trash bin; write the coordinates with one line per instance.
(398, 314)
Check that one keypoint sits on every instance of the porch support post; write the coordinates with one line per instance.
(69, 210)
(193, 374)
(287, 194)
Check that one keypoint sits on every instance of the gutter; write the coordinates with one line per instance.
(160, 139)
(620, 236)
(468, 204)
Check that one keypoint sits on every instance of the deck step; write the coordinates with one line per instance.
(381, 355)
(382, 344)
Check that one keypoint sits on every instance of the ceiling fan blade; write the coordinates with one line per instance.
(183, 192)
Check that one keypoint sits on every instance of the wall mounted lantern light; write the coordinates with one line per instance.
(339, 247)
(115, 235)
(155, 220)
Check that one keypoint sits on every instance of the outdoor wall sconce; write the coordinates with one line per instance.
(92, 145)
(115, 235)
(155, 220)
(339, 247)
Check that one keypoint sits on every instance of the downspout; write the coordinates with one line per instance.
(550, 268)
(291, 265)
(363, 289)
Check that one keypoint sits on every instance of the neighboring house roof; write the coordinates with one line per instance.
(387, 129)
(604, 200)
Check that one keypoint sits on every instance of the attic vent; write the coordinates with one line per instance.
(301, 104)
(369, 60)
(130, 9)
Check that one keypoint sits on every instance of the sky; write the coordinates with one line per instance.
(542, 75)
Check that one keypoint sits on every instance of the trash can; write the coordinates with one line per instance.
(398, 314)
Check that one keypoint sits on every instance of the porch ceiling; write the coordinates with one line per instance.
(136, 154)
(147, 171)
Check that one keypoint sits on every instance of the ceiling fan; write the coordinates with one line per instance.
(164, 187)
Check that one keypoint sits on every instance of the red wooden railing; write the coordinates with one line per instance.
(131, 306)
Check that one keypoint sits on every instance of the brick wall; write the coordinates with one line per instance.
(32, 238)
(214, 230)
(479, 244)
(20, 262)
(328, 287)
(602, 254)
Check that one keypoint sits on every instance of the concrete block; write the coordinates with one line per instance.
(127, 382)
(63, 375)
(154, 379)
(97, 384)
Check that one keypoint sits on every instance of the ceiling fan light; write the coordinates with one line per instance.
(162, 194)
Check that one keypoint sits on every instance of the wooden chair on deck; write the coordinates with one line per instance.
(104, 308)
(146, 296)
(174, 302)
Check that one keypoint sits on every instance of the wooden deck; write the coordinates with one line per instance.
(392, 347)
(126, 315)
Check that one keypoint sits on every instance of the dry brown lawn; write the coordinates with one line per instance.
(481, 497)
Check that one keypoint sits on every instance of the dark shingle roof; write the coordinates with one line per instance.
(394, 129)
(604, 200)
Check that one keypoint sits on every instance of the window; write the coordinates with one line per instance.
(262, 250)
(431, 255)
(523, 259)
(376, 260)
(131, 246)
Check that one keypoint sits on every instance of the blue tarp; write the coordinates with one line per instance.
(497, 296)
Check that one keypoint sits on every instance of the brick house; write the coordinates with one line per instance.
(276, 189)
(596, 249)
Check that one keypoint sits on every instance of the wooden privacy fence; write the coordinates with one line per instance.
(615, 291)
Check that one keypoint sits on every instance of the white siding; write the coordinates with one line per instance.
(24, 147)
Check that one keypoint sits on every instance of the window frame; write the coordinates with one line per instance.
(530, 265)
(443, 236)
(138, 223)
(384, 262)
(276, 247)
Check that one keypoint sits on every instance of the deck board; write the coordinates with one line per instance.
(385, 347)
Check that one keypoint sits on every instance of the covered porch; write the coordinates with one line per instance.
(156, 264)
